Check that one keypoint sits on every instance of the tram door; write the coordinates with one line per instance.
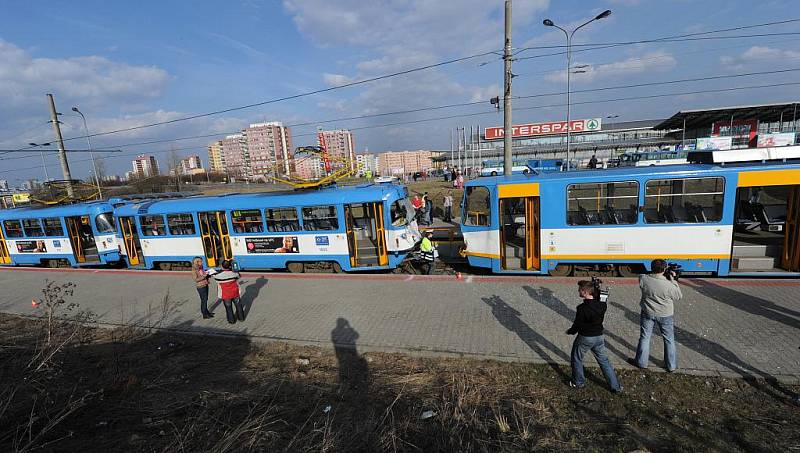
(366, 234)
(5, 258)
(131, 240)
(790, 258)
(81, 237)
(216, 240)
(519, 233)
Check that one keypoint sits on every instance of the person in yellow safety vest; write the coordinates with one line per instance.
(428, 252)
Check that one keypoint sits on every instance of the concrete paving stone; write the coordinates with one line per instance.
(730, 327)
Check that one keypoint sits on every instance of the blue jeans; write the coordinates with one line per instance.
(597, 346)
(667, 326)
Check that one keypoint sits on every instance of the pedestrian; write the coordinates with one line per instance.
(428, 252)
(448, 206)
(660, 291)
(229, 292)
(460, 181)
(593, 161)
(427, 209)
(416, 203)
(589, 327)
(201, 282)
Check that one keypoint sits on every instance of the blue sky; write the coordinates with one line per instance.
(126, 65)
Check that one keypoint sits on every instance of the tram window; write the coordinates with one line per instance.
(104, 222)
(52, 227)
(152, 225)
(282, 219)
(13, 228)
(478, 206)
(33, 228)
(180, 224)
(320, 218)
(694, 200)
(613, 203)
(247, 221)
(399, 212)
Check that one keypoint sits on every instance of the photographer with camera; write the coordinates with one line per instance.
(588, 325)
(660, 291)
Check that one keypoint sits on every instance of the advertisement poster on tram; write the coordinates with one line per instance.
(285, 244)
(31, 247)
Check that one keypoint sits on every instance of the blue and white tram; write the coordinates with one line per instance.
(735, 219)
(69, 235)
(347, 228)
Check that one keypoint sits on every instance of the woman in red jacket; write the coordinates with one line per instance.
(229, 291)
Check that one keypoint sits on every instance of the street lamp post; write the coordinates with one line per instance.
(569, 35)
(91, 153)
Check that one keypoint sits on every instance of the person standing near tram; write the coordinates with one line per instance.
(201, 282)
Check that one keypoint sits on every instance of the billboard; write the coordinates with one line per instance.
(767, 140)
(714, 143)
(553, 127)
(285, 244)
(741, 128)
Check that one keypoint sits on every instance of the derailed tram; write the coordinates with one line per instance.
(722, 216)
(59, 236)
(367, 227)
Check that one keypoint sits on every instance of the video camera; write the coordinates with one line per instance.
(673, 269)
(599, 294)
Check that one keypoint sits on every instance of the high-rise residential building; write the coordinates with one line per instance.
(191, 165)
(399, 162)
(270, 148)
(367, 163)
(308, 166)
(340, 144)
(236, 157)
(145, 166)
(215, 162)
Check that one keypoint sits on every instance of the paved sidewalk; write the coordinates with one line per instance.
(723, 327)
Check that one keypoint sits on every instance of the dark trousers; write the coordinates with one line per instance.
(428, 267)
(203, 292)
(236, 302)
(448, 213)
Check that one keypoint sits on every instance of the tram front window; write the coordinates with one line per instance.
(477, 206)
(104, 222)
(399, 212)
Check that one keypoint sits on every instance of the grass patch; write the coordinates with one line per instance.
(143, 391)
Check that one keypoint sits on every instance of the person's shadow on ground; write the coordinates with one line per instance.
(251, 292)
(353, 369)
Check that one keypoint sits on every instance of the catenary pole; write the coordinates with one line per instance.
(62, 153)
(507, 75)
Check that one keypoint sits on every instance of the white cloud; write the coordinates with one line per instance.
(334, 80)
(484, 93)
(657, 61)
(24, 79)
(758, 53)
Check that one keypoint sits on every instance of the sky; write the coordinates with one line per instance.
(125, 65)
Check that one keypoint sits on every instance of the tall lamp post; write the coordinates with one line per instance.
(569, 35)
(91, 153)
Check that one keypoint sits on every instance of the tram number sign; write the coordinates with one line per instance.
(322, 241)
(554, 127)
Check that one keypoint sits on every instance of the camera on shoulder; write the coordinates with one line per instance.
(600, 294)
(673, 271)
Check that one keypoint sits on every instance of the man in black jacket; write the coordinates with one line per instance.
(589, 327)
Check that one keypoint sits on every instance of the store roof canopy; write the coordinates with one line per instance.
(706, 117)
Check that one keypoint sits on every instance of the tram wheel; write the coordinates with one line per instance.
(337, 268)
(562, 270)
(629, 270)
(296, 268)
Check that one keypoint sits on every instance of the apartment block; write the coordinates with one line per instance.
(145, 166)
(399, 162)
(216, 164)
(340, 144)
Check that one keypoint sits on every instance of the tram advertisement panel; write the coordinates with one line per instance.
(285, 244)
(31, 247)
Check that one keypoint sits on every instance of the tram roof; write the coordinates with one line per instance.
(37, 211)
(678, 170)
(333, 195)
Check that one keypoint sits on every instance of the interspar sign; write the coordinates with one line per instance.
(555, 127)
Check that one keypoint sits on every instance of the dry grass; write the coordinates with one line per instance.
(132, 391)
